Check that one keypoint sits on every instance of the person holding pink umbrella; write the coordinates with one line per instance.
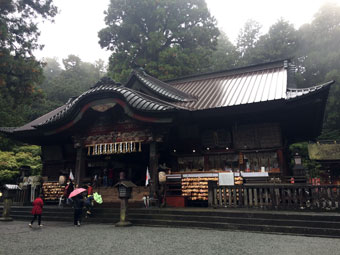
(78, 204)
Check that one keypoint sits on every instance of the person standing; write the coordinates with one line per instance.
(105, 177)
(89, 200)
(110, 177)
(68, 189)
(37, 210)
(78, 204)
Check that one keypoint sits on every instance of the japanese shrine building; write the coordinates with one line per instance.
(241, 120)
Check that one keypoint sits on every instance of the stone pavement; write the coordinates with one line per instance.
(96, 239)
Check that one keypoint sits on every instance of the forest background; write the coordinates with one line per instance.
(169, 39)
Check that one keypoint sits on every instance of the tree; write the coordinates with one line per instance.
(61, 84)
(319, 61)
(319, 51)
(246, 41)
(11, 161)
(281, 42)
(20, 72)
(225, 56)
(51, 68)
(149, 32)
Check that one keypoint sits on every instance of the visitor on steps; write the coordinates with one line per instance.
(110, 177)
(68, 189)
(37, 210)
(105, 181)
(89, 200)
(78, 204)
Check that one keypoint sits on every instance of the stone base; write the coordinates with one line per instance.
(123, 224)
(6, 218)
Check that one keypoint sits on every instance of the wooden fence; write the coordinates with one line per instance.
(273, 196)
(22, 197)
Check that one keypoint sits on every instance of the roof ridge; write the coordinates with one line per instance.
(229, 72)
(162, 88)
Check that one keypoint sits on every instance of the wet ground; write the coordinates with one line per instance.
(64, 238)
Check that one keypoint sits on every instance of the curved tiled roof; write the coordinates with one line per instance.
(162, 89)
(225, 89)
(134, 99)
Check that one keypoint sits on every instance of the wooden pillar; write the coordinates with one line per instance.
(80, 165)
(153, 162)
(282, 160)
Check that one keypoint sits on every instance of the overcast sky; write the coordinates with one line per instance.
(76, 26)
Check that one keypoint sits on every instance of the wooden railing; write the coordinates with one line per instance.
(274, 196)
(21, 197)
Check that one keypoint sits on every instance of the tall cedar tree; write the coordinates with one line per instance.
(168, 38)
(319, 61)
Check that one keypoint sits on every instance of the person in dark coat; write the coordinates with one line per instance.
(37, 210)
(68, 189)
(78, 204)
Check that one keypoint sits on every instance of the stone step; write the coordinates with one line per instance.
(320, 232)
(311, 224)
(154, 212)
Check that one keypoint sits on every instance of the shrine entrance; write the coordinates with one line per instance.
(133, 164)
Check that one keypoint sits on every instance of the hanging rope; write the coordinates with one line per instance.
(114, 148)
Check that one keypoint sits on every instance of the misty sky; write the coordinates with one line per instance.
(76, 26)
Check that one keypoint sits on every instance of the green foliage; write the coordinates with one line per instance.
(319, 52)
(61, 84)
(20, 72)
(281, 42)
(246, 41)
(11, 161)
(8, 161)
(319, 61)
(224, 57)
(149, 32)
(312, 167)
(8, 176)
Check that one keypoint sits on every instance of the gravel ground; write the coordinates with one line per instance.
(64, 238)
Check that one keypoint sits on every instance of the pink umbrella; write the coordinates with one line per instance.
(76, 192)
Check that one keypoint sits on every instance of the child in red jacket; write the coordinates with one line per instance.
(37, 210)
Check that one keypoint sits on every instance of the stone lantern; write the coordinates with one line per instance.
(9, 192)
(298, 169)
(124, 193)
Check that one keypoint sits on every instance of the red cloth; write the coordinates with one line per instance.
(89, 190)
(110, 175)
(37, 206)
